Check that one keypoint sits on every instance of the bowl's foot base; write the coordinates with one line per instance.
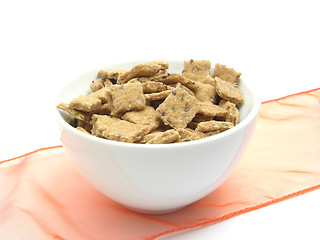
(146, 211)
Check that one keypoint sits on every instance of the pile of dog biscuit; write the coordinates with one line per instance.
(146, 104)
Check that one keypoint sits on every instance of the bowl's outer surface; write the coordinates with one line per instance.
(156, 178)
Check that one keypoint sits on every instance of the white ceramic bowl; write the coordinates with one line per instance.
(155, 178)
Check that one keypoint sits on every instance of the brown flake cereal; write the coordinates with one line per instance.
(146, 105)
(233, 114)
(168, 78)
(127, 97)
(187, 134)
(169, 136)
(96, 101)
(85, 103)
(178, 109)
(211, 110)
(91, 102)
(149, 136)
(196, 70)
(77, 114)
(146, 116)
(154, 87)
(213, 125)
(227, 74)
(111, 74)
(203, 92)
(116, 129)
(228, 91)
(191, 84)
(157, 96)
(143, 70)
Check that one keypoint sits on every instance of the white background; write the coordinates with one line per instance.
(44, 44)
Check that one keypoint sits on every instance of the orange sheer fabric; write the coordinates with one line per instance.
(42, 195)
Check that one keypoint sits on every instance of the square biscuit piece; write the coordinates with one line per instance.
(93, 102)
(143, 70)
(146, 116)
(127, 97)
(169, 136)
(227, 74)
(116, 129)
(85, 103)
(196, 70)
(187, 134)
(179, 108)
(205, 93)
(213, 125)
(228, 91)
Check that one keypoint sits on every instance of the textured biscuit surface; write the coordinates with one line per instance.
(228, 91)
(227, 74)
(178, 109)
(127, 97)
(118, 130)
(146, 116)
(196, 69)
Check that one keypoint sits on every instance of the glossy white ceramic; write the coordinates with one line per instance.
(155, 178)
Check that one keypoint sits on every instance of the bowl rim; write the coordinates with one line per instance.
(244, 122)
